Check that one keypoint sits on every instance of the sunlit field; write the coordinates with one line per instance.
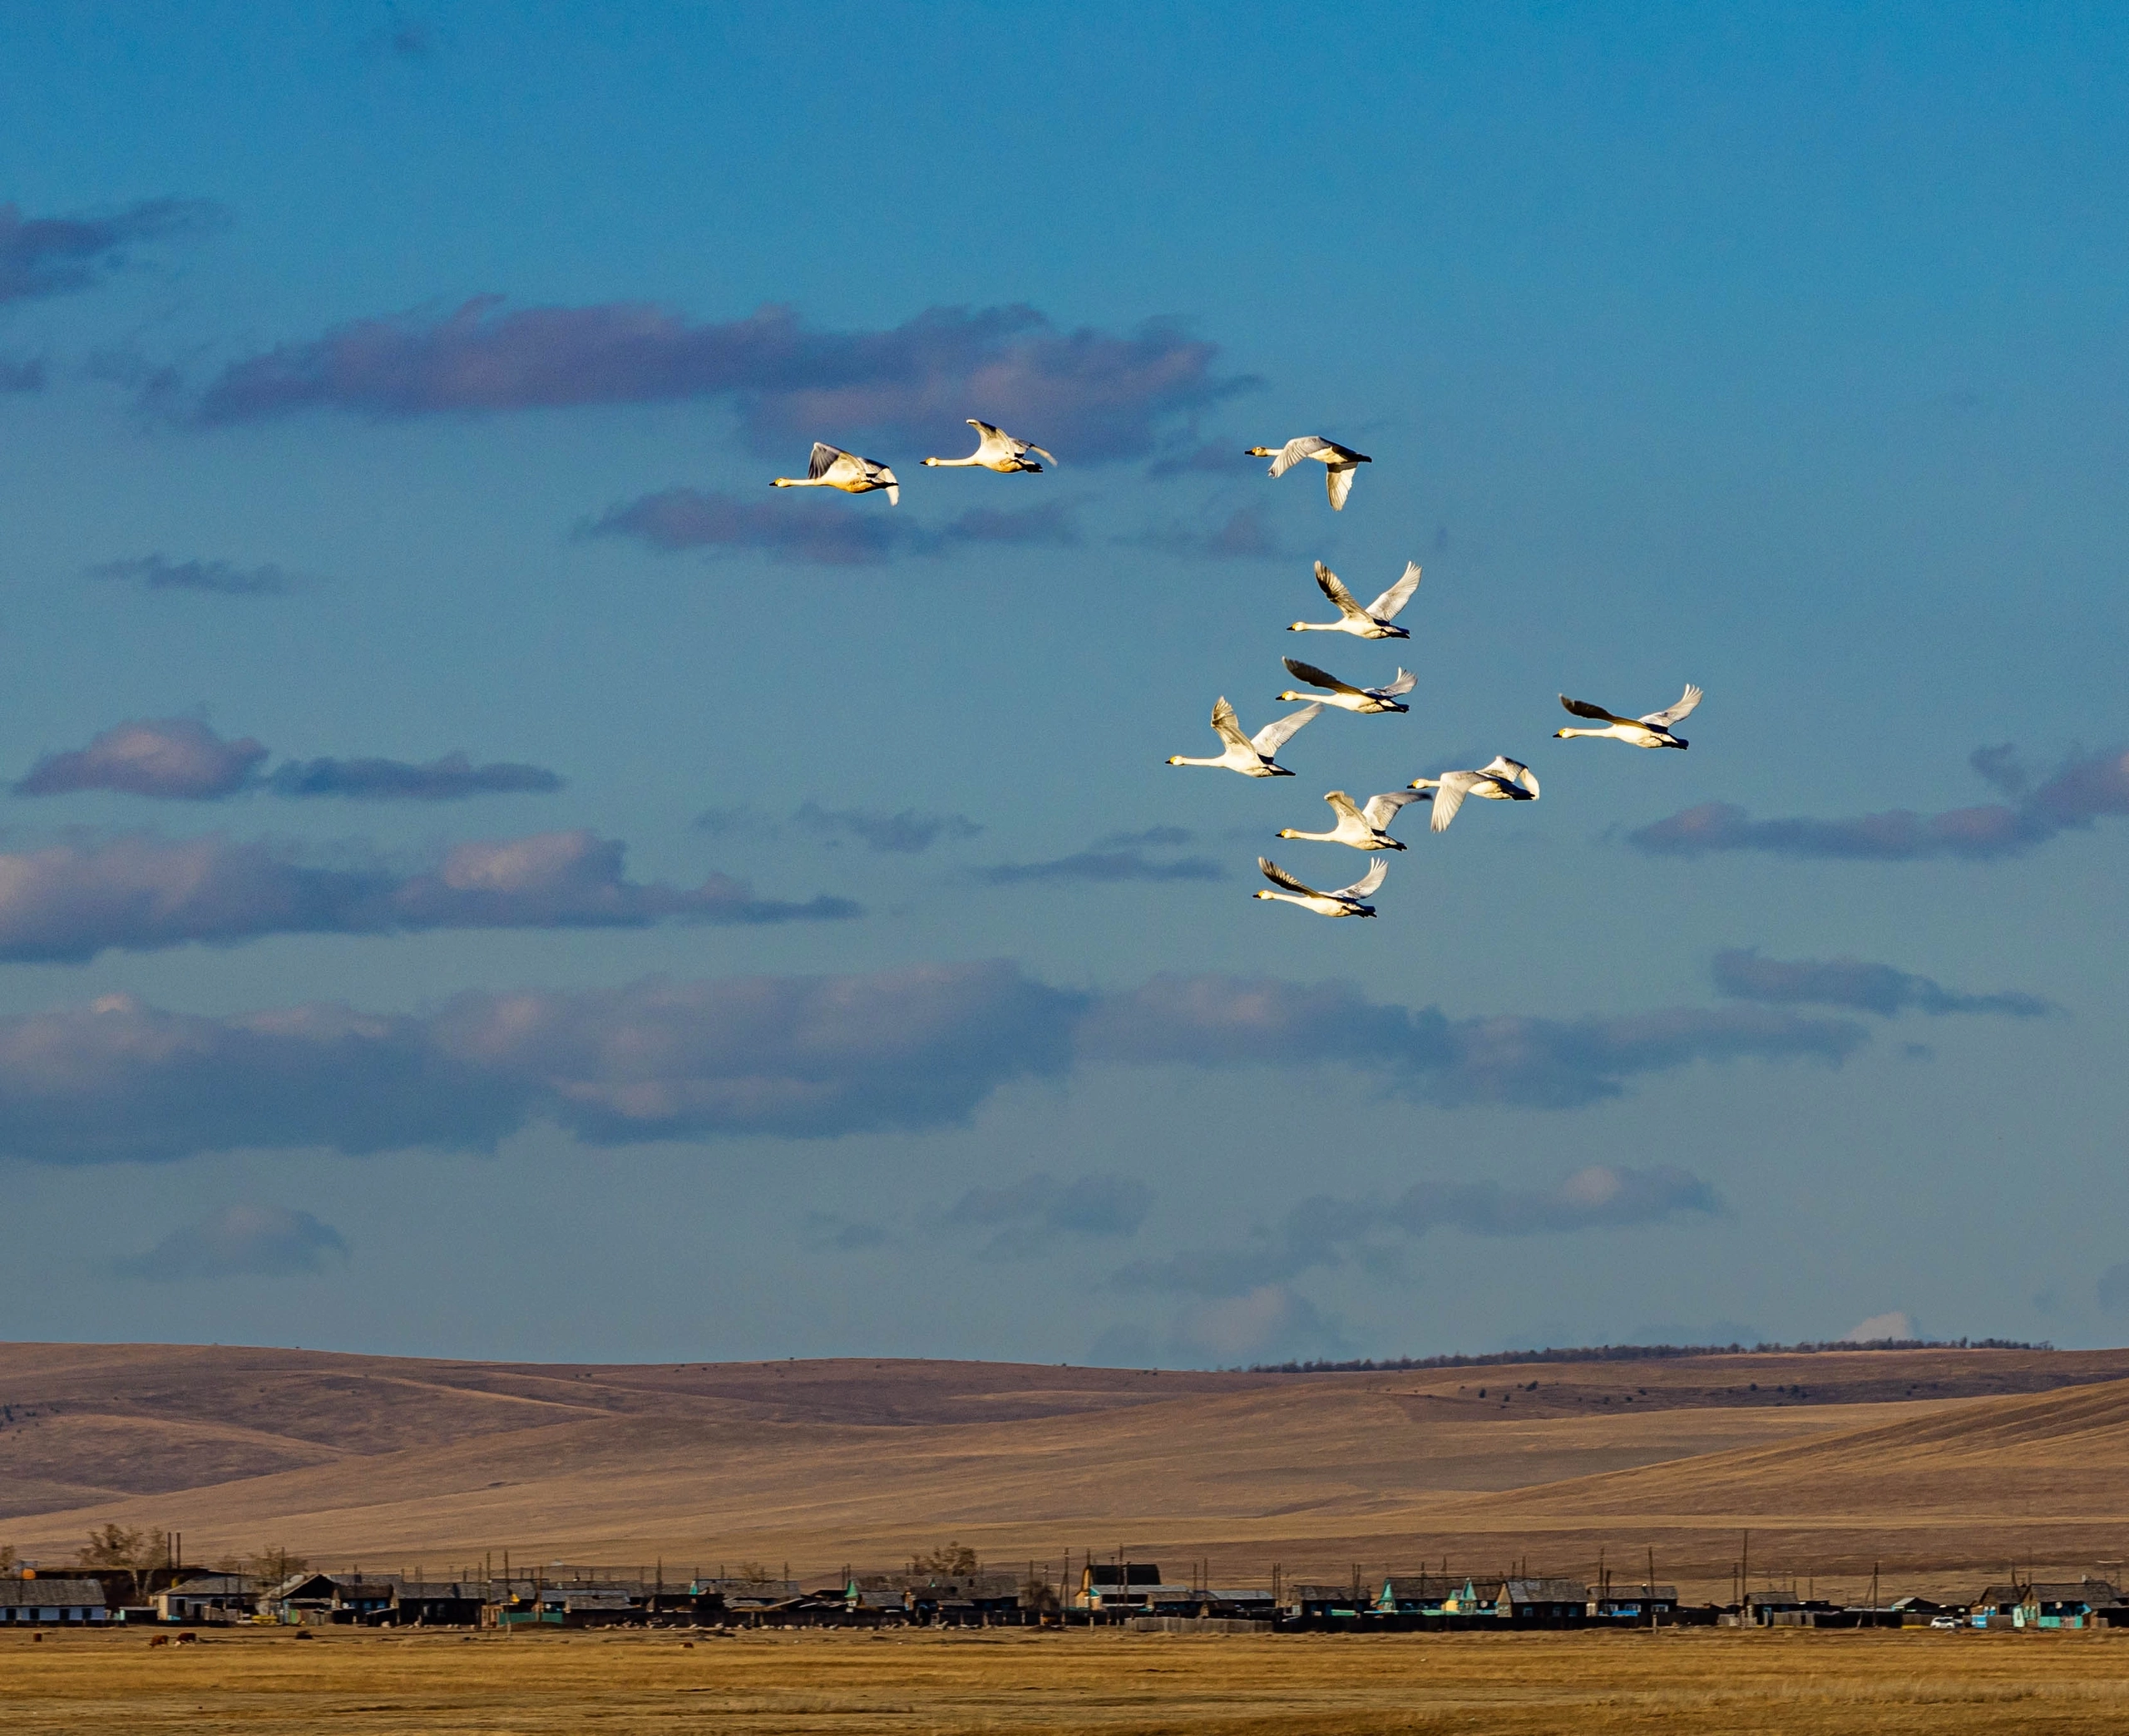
(262, 1680)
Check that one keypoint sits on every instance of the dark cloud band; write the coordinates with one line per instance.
(818, 532)
(138, 893)
(2084, 788)
(1092, 394)
(1325, 1231)
(1856, 983)
(798, 1057)
(42, 256)
(180, 759)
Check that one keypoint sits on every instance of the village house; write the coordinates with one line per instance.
(1623, 1600)
(435, 1603)
(323, 1600)
(1117, 1586)
(216, 1597)
(50, 1602)
(2072, 1603)
(1317, 1601)
(1422, 1593)
(1542, 1599)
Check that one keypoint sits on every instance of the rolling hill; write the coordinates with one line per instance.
(1938, 1464)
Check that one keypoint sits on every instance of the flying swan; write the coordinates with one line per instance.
(1372, 622)
(1362, 828)
(1345, 902)
(1339, 462)
(1653, 731)
(1365, 701)
(996, 451)
(1252, 756)
(1505, 780)
(831, 467)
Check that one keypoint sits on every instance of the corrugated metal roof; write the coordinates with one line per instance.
(66, 1593)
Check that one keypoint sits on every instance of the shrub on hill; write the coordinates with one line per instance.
(1635, 1352)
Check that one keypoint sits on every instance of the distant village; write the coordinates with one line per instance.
(951, 1588)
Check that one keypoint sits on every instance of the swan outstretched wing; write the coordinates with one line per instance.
(1404, 682)
(1508, 771)
(1304, 446)
(1278, 876)
(1366, 883)
(1226, 725)
(1338, 479)
(1449, 790)
(1672, 714)
(1341, 805)
(1333, 587)
(824, 459)
(992, 442)
(1385, 607)
(1382, 809)
(1318, 678)
(1275, 734)
(1583, 709)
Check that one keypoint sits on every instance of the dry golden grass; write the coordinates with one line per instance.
(1942, 1467)
(794, 1684)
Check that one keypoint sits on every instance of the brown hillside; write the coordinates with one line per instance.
(1925, 1455)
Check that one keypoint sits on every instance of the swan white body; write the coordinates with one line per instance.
(1373, 622)
(1367, 702)
(1252, 756)
(1653, 731)
(1505, 780)
(1345, 902)
(1339, 462)
(1361, 828)
(995, 450)
(831, 467)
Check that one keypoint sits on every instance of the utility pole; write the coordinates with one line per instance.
(1652, 1588)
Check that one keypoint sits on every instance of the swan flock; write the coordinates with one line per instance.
(1358, 826)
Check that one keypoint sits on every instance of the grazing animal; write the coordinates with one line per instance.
(1363, 828)
(1345, 902)
(1653, 731)
(157, 1639)
(1339, 462)
(1367, 702)
(1505, 780)
(996, 450)
(1252, 756)
(1372, 622)
(831, 467)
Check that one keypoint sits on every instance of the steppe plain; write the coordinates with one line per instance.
(263, 1682)
(1938, 1466)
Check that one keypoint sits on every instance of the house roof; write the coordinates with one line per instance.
(926, 1588)
(1620, 1590)
(46, 1594)
(211, 1584)
(2084, 1590)
(1324, 1594)
(1546, 1590)
(1425, 1585)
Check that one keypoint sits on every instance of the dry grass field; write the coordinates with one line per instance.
(1799, 1683)
(1941, 1466)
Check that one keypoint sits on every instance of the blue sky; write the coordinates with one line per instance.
(472, 845)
